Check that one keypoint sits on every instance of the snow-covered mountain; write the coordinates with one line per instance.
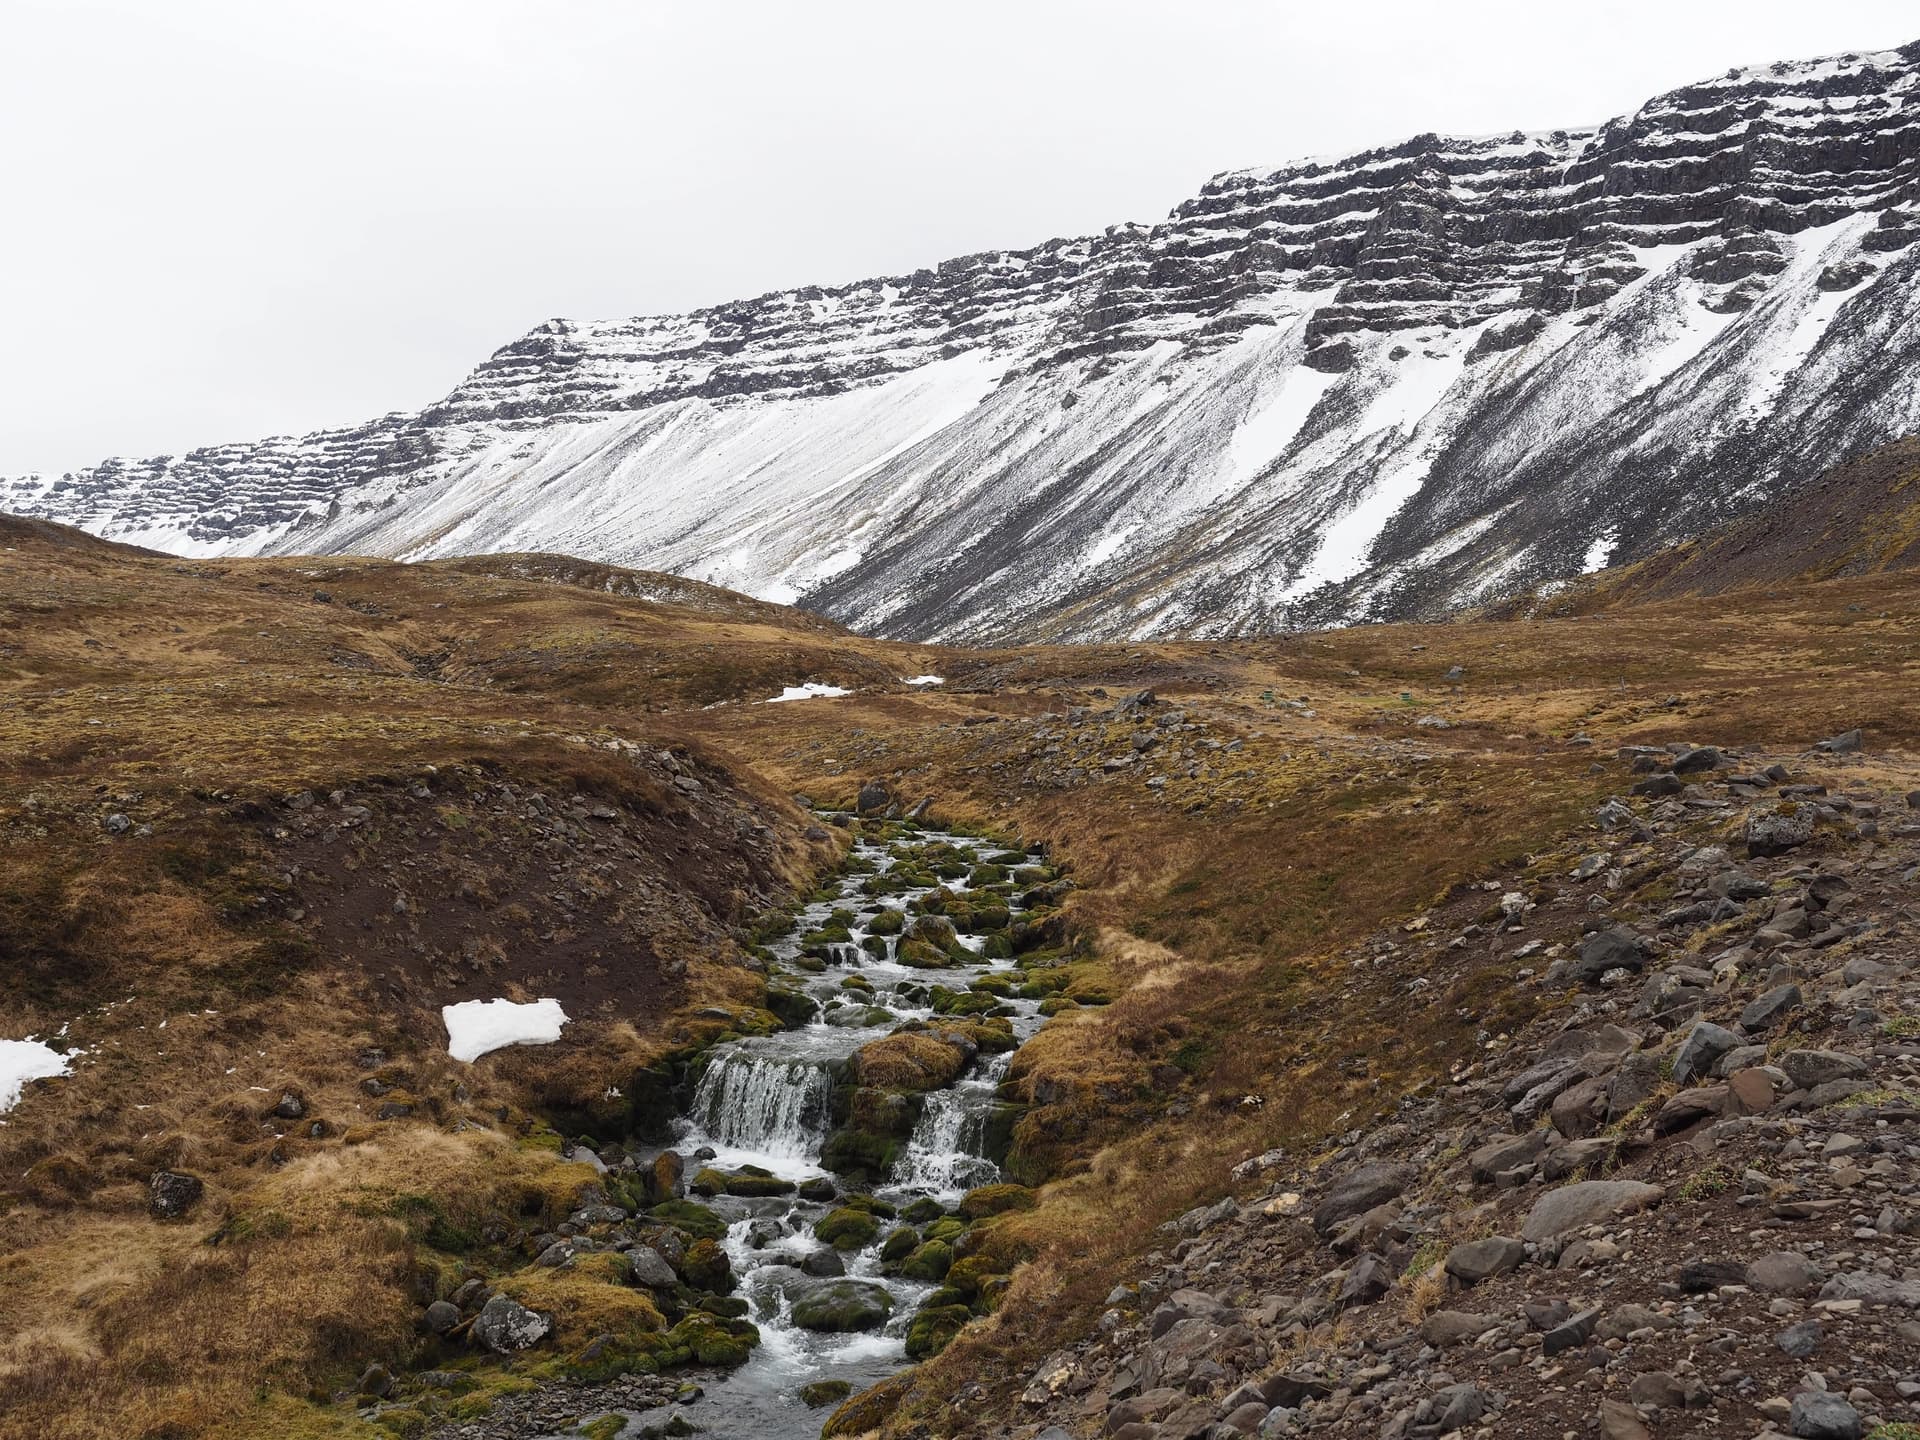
(1377, 386)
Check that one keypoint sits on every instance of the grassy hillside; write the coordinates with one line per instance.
(262, 818)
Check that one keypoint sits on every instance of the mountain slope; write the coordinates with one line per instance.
(1382, 386)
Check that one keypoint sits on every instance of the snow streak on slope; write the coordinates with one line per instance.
(1381, 385)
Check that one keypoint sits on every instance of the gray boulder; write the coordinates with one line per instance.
(504, 1325)
(1701, 1051)
(1774, 830)
(1807, 1068)
(1585, 1202)
(1359, 1191)
(650, 1268)
(1478, 1260)
(1822, 1415)
(1615, 948)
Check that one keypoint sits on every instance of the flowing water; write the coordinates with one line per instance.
(766, 1102)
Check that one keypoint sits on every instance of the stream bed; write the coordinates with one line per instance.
(883, 957)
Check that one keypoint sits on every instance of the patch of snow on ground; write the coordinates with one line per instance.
(812, 690)
(1270, 427)
(476, 1026)
(923, 679)
(24, 1060)
(1599, 550)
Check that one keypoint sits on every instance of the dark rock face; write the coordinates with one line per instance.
(1499, 362)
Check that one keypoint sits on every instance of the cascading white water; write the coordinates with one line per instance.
(769, 1105)
(766, 1101)
(946, 1153)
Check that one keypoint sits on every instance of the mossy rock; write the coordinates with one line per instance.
(929, 1262)
(695, 1219)
(795, 1008)
(947, 1295)
(748, 1182)
(846, 1228)
(857, 1153)
(402, 1422)
(608, 1357)
(898, 1245)
(923, 1210)
(873, 1205)
(858, 982)
(888, 922)
(949, 1228)
(825, 1392)
(727, 1307)
(1057, 1005)
(713, 1341)
(707, 1267)
(819, 1189)
(993, 1289)
(843, 1307)
(933, 1329)
(870, 1409)
(963, 1002)
(968, 1275)
(996, 985)
(908, 1060)
(918, 955)
(998, 947)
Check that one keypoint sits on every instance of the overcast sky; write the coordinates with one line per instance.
(225, 220)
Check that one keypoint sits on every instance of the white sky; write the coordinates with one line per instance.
(226, 220)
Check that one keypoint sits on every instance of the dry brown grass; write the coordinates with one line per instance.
(1215, 916)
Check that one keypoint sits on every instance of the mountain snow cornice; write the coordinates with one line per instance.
(1378, 386)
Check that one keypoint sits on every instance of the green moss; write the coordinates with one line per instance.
(847, 1228)
(996, 1200)
(696, 1220)
(933, 1329)
(929, 1262)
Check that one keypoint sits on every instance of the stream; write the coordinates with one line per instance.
(767, 1102)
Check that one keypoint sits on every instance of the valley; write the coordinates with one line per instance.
(1313, 905)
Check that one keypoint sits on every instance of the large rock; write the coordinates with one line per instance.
(650, 1268)
(1785, 1272)
(1477, 1260)
(1585, 1202)
(504, 1325)
(1761, 1013)
(1808, 1068)
(843, 1306)
(1359, 1191)
(1615, 948)
(1822, 1415)
(1774, 830)
(1701, 1051)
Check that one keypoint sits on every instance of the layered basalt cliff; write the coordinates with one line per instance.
(1385, 385)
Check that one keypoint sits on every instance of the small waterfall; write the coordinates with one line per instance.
(770, 1105)
(946, 1152)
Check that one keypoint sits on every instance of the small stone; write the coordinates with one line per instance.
(1800, 1340)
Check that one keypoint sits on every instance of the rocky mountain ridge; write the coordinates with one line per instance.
(1380, 386)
